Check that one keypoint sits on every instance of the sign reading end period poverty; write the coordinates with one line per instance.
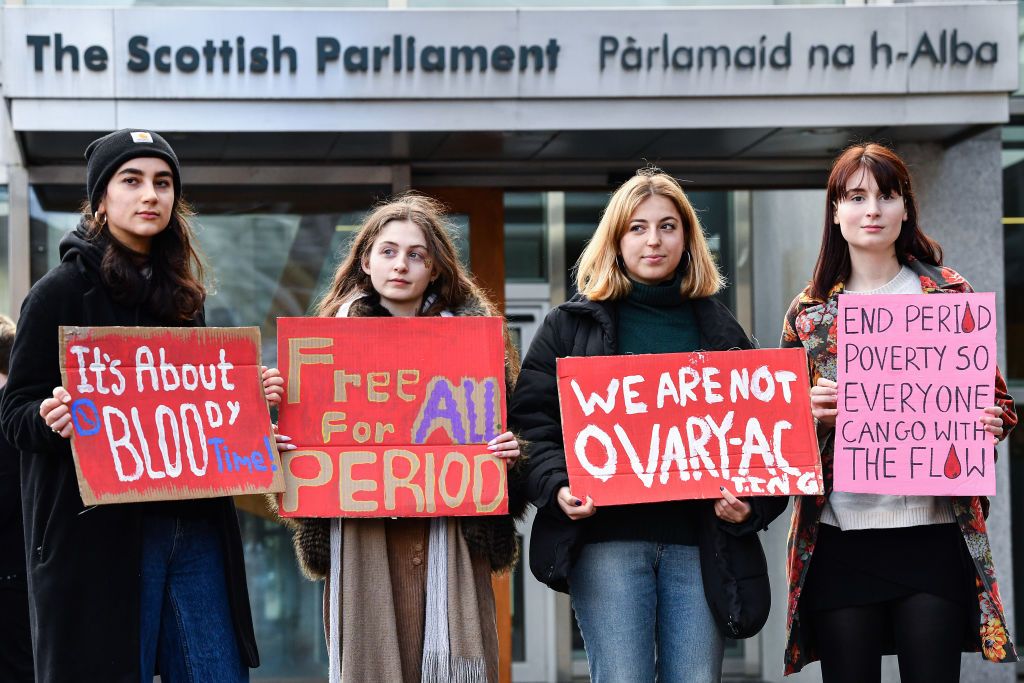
(168, 413)
(915, 373)
(648, 428)
(391, 416)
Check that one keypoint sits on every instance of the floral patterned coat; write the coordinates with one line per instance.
(811, 323)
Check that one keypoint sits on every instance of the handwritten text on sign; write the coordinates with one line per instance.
(391, 416)
(168, 413)
(915, 372)
(660, 427)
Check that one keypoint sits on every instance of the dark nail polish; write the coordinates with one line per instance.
(577, 502)
(721, 488)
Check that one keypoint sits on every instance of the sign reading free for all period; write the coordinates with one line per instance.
(658, 427)
(391, 416)
(168, 413)
(915, 373)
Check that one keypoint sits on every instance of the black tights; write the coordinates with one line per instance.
(927, 631)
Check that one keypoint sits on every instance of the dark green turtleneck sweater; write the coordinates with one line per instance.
(652, 319)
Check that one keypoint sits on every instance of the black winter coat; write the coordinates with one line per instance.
(84, 564)
(587, 328)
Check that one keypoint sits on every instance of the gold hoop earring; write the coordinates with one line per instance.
(101, 219)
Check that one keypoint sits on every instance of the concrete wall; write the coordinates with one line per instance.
(960, 197)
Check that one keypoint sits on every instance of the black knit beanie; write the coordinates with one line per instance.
(105, 155)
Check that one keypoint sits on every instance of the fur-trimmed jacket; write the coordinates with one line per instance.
(492, 537)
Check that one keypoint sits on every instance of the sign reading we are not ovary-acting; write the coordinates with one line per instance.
(661, 427)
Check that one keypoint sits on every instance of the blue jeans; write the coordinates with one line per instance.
(641, 609)
(185, 623)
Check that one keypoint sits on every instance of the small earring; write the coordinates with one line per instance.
(101, 218)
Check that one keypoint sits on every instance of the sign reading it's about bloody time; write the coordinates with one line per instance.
(168, 413)
(658, 427)
(915, 373)
(391, 416)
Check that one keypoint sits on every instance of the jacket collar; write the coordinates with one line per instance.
(933, 279)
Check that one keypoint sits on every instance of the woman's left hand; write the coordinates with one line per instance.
(273, 385)
(505, 446)
(993, 421)
(729, 508)
(283, 442)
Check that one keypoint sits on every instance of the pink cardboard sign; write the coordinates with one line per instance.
(915, 372)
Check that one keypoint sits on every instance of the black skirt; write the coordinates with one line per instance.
(865, 567)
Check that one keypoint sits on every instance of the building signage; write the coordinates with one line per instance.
(186, 53)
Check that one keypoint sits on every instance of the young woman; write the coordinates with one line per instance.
(874, 574)
(410, 599)
(119, 591)
(645, 282)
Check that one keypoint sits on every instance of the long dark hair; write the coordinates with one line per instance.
(452, 288)
(174, 289)
(893, 177)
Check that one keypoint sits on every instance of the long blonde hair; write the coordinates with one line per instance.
(452, 288)
(599, 273)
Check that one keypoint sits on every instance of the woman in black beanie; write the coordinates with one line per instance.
(120, 591)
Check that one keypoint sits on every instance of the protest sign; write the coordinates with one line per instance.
(648, 428)
(391, 416)
(915, 372)
(168, 413)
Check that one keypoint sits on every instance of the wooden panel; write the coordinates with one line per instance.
(485, 208)
(486, 211)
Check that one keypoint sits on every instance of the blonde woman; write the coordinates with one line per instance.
(646, 282)
(410, 599)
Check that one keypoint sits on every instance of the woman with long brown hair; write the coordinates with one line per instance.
(878, 574)
(410, 599)
(119, 591)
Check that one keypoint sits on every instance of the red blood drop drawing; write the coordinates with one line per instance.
(952, 468)
(967, 324)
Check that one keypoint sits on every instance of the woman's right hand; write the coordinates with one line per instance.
(573, 507)
(823, 401)
(56, 412)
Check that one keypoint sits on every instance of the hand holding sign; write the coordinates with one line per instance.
(732, 509)
(573, 507)
(505, 446)
(993, 421)
(823, 401)
(56, 412)
(273, 385)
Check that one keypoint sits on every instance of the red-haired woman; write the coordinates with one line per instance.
(882, 574)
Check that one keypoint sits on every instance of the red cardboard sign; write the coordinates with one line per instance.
(391, 416)
(168, 413)
(646, 428)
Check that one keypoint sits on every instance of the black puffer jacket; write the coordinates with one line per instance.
(84, 564)
(587, 328)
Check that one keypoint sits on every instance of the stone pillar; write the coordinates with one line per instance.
(960, 196)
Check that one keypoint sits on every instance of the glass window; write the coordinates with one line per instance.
(203, 3)
(266, 258)
(607, 3)
(5, 272)
(287, 609)
(1013, 247)
(526, 247)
